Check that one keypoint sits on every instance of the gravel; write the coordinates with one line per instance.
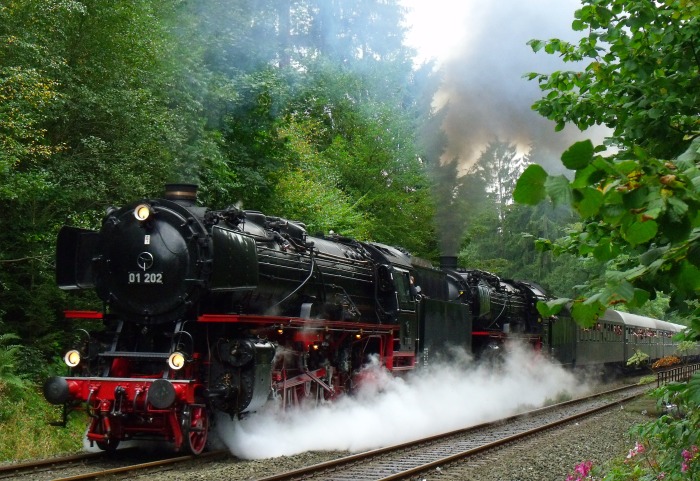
(552, 456)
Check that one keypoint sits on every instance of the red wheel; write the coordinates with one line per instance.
(111, 443)
(195, 421)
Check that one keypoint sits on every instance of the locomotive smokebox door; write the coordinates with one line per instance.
(235, 266)
(75, 250)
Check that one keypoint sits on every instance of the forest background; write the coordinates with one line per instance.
(313, 110)
(308, 110)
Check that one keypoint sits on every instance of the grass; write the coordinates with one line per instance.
(560, 397)
(26, 433)
(644, 405)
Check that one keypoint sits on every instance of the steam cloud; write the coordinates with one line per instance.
(395, 410)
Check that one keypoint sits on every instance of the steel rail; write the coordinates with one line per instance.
(502, 442)
(140, 466)
(40, 463)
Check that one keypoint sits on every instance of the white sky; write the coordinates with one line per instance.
(439, 28)
(436, 26)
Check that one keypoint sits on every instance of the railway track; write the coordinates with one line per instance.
(95, 465)
(403, 461)
(408, 460)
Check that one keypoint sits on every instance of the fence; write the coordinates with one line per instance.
(681, 373)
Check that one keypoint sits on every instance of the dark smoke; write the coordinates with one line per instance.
(484, 96)
(483, 82)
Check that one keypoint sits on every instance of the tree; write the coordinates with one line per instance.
(638, 207)
(498, 168)
(639, 74)
(639, 204)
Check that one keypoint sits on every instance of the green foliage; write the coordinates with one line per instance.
(310, 189)
(9, 371)
(638, 359)
(530, 186)
(639, 203)
(686, 347)
(646, 217)
(638, 76)
(26, 434)
(666, 448)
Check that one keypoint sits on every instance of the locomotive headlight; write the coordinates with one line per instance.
(72, 358)
(176, 360)
(142, 212)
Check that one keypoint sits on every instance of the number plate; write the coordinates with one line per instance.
(145, 277)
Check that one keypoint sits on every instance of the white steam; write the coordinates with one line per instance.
(394, 410)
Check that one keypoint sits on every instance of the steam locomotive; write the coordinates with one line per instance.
(227, 310)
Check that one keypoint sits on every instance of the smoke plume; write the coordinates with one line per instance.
(484, 92)
(484, 96)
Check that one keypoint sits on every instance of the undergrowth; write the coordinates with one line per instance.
(24, 423)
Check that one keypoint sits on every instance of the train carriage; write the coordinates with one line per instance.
(611, 341)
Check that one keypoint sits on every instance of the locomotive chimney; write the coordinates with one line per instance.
(448, 262)
(181, 192)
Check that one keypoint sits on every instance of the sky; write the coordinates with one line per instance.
(481, 49)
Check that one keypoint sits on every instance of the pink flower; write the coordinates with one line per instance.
(638, 449)
(688, 456)
(584, 468)
(581, 471)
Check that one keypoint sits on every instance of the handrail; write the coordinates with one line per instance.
(680, 374)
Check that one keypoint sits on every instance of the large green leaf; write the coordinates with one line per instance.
(688, 278)
(551, 308)
(694, 388)
(589, 202)
(530, 186)
(587, 313)
(578, 155)
(558, 189)
(586, 176)
(638, 232)
(605, 250)
(621, 291)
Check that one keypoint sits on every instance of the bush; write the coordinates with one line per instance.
(26, 433)
(666, 361)
(25, 415)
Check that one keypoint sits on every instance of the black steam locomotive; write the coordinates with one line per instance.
(226, 310)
